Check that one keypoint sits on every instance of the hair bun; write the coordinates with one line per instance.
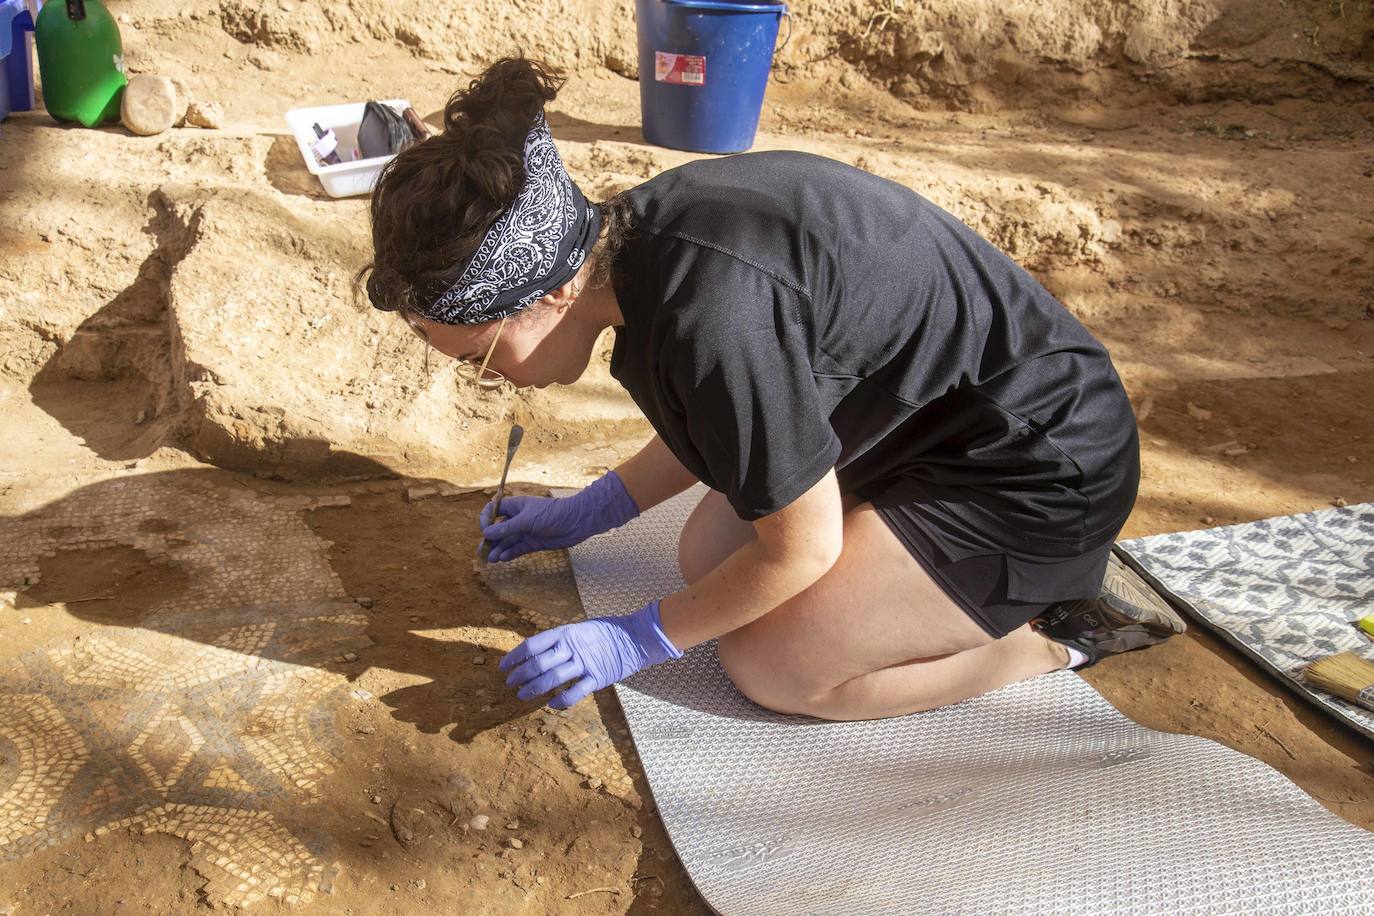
(500, 105)
(387, 290)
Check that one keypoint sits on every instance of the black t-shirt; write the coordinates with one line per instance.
(787, 313)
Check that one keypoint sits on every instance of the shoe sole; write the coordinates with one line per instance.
(1127, 614)
(1144, 618)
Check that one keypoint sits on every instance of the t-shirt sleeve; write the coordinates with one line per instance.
(735, 366)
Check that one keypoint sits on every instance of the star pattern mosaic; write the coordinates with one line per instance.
(213, 720)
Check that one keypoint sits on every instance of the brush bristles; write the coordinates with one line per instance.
(1344, 675)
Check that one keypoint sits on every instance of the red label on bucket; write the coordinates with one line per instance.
(683, 69)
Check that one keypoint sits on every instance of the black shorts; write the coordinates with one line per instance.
(1000, 589)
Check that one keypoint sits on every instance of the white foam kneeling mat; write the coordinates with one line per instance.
(1038, 798)
(1285, 591)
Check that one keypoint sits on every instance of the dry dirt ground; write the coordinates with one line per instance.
(249, 644)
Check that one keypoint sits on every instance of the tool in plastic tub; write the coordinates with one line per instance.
(350, 177)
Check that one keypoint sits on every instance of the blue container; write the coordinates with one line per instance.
(703, 68)
(16, 57)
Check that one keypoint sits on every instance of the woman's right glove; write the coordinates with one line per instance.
(547, 523)
(591, 654)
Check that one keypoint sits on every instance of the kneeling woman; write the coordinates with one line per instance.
(918, 459)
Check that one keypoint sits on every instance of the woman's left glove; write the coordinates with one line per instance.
(592, 653)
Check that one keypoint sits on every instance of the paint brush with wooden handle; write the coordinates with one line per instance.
(517, 432)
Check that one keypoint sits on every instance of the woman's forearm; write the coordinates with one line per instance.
(745, 586)
(653, 475)
(794, 548)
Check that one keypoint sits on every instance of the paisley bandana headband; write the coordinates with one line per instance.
(533, 248)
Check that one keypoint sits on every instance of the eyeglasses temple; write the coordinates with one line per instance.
(492, 349)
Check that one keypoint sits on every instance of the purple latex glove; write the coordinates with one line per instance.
(548, 523)
(592, 653)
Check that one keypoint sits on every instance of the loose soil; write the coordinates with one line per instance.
(1197, 189)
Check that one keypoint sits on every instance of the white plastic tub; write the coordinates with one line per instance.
(347, 178)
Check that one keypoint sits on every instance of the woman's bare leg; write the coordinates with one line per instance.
(875, 637)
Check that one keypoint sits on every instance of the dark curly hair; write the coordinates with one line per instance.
(435, 200)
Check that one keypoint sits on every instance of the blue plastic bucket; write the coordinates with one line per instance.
(16, 57)
(703, 69)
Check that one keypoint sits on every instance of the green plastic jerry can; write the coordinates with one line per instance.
(80, 60)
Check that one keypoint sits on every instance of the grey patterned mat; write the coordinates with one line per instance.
(1038, 798)
(1286, 591)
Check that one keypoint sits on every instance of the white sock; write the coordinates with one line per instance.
(1076, 656)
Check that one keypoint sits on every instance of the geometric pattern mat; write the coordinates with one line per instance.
(1036, 798)
(1285, 591)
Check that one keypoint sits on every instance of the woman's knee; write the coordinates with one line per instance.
(711, 534)
(753, 677)
(694, 559)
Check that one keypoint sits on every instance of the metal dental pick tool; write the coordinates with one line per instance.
(517, 432)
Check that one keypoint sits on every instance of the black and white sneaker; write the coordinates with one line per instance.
(1127, 615)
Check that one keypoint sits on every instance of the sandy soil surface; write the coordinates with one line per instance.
(182, 361)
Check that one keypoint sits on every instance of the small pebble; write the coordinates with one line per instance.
(1198, 413)
(364, 602)
(418, 884)
(1208, 520)
(594, 783)
(501, 618)
(1339, 502)
(376, 799)
(515, 843)
(26, 621)
(479, 822)
(636, 831)
(479, 659)
(205, 114)
(366, 729)
(350, 656)
(541, 880)
(513, 824)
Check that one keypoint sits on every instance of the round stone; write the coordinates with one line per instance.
(149, 105)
